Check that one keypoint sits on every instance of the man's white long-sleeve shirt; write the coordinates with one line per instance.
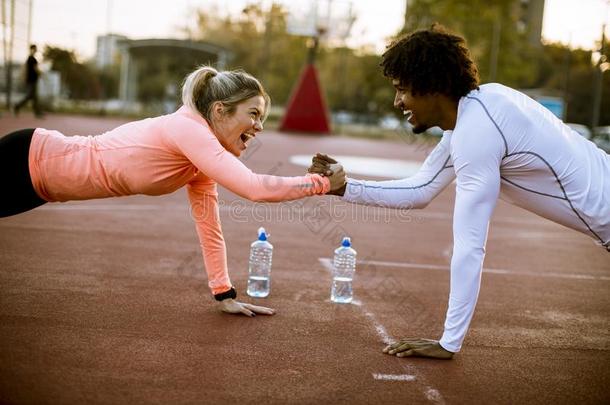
(504, 145)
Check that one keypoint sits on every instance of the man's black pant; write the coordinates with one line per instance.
(30, 94)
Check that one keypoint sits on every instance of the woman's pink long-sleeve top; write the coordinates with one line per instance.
(158, 156)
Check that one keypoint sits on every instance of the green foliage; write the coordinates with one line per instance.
(350, 78)
(109, 80)
(476, 20)
(554, 68)
(260, 44)
(79, 81)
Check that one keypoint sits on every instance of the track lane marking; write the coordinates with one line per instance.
(572, 276)
(432, 394)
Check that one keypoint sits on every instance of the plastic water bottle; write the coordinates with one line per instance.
(259, 268)
(344, 267)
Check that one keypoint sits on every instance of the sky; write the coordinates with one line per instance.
(75, 24)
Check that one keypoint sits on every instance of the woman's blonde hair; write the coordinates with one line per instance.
(206, 85)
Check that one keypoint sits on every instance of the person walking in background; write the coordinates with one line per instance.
(32, 74)
(497, 143)
(197, 146)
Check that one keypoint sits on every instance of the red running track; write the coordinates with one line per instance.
(105, 301)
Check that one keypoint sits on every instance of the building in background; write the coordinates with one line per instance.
(152, 70)
(107, 50)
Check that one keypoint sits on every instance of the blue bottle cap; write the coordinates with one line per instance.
(262, 235)
(346, 242)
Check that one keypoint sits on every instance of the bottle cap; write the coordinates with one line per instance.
(346, 242)
(262, 235)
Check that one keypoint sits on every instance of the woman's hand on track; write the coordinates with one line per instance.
(235, 307)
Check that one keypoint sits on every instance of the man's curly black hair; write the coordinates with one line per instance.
(431, 61)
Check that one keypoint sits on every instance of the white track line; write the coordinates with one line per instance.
(431, 393)
(572, 276)
(383, 334)
(381, 331)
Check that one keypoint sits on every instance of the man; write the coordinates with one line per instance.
(497, 142)
(32, 74)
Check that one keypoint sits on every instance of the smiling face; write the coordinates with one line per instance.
(422, 111)
(235, 130)
(426, 111)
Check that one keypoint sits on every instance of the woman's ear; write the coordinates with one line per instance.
(218, 110)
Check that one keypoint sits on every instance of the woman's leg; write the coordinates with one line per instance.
(16, 187)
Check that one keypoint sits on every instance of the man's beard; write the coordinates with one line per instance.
(420, 129)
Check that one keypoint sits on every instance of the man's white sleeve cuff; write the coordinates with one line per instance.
(448, 346)
(353, 190)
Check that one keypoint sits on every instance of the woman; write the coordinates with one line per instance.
(197, 147)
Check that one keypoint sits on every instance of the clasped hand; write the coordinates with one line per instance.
(329, 167)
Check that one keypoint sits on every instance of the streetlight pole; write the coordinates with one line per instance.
(598, 82)
(8, 47)
(495, 46)
(567, 62)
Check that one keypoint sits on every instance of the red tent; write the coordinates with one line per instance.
(306, 111)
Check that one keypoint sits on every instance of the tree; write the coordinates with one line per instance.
(477, 20)
(79, 81)
(260, 44)
(351, 79)
(553, 67)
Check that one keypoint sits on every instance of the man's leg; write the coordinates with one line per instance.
(35, 103)
(28, 96)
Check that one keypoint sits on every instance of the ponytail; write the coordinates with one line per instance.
(206, 85)
(195, 83)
